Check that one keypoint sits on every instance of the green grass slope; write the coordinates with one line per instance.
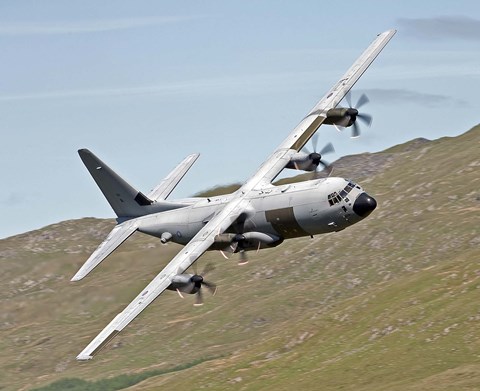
(392, 303)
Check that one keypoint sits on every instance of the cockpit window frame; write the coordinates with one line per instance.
(336, 198)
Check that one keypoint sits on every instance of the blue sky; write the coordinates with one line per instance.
(145, 83)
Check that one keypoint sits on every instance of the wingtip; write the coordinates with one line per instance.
(84, 357)
(76, 277)
(391, 31)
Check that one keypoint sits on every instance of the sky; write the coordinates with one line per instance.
(145, 83)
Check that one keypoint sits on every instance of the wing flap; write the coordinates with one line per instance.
(115, 238)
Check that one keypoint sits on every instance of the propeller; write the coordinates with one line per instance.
(354, 113)
(239, 240)
(238, 244)
(200, 282)
(243, 258)
(316, 157)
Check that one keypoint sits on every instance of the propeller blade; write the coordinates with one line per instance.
(362, 101)
(243, 258)
(316, 158)
(354, 115)
(209, 267)
(198, 298)
(355, 130)
(366, 118)
(327, 149)
(327, 167)
(211, 287)
(339, 128)
(180, 294)
(348, 98)
(315, 142)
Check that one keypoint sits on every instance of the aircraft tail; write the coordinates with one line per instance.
(125, 200)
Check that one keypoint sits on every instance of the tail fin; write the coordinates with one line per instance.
(125, 200)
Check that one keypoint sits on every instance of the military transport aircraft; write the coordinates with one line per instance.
(258, 215)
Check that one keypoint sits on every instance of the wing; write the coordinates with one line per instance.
(163, 190)
(309, 125)
(115, 238)
(182, 261)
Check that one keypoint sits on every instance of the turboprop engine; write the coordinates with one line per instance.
(344, 117)
(193, 284)
(242, 242)
(247, 241)
(309, 161)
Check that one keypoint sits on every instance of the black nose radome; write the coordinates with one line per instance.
(364, 205)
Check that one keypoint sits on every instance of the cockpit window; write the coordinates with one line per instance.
(335, 198)
(349, 186)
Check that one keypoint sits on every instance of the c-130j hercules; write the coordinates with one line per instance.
(258, 215)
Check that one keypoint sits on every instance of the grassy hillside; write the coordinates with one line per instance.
(391, 303)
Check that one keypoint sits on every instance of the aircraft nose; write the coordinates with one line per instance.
(364, 205)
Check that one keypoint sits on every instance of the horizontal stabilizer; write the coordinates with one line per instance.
(114, 239)
(163, 190)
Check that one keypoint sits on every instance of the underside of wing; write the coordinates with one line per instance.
(115, 238)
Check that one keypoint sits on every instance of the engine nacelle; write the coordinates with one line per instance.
(248, 240)
(267, 239)
(341, 116)
(192, 284)
(184, 283)
(304, 161)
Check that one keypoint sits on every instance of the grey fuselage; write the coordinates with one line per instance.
(288, 211)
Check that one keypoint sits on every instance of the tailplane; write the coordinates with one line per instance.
(115, 238)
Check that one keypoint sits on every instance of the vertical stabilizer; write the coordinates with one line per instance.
(125, 200)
